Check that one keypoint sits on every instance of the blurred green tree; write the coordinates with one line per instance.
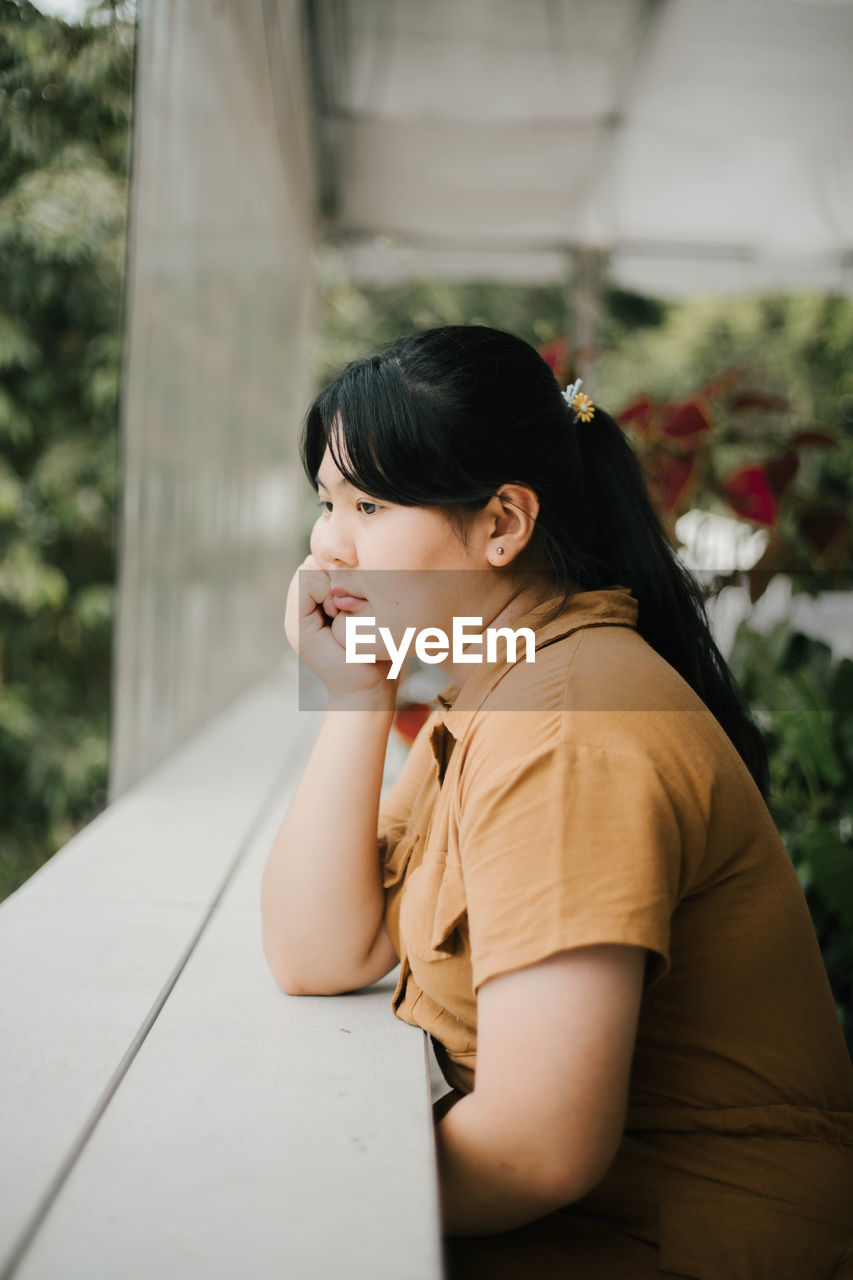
(65, 107)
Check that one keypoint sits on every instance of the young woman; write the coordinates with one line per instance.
(594, 915)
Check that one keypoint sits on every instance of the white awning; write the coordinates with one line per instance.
(705, 144)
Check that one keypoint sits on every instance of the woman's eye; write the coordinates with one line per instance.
(325, 505)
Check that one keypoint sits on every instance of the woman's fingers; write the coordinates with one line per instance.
(309, 606)
(316, 630)
(326, 600)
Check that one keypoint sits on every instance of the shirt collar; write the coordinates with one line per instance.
(607, 607)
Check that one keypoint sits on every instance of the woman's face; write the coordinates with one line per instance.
(407, 563)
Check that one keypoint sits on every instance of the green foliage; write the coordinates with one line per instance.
(804, 702)
(794, 346)
(355, 320)
(65, 101)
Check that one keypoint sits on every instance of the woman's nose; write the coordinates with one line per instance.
(330, 545)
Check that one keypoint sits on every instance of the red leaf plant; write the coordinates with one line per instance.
(675, 443)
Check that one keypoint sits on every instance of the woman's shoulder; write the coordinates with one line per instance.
(592, 683)
(606, 690)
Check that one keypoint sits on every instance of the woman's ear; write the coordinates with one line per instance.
(512, 516)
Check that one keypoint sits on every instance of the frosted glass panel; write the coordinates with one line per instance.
(217, 374)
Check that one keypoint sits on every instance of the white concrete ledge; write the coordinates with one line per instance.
(168, 1110)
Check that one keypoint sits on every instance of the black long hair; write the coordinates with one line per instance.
(446, 416)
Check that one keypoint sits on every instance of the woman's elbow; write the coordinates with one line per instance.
(286, 981)
(291, 987)
(579, 1174)
(295, 983)
(285, 976)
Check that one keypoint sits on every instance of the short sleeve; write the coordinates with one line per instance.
(568, 846)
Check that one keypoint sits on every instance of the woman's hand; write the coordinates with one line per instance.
(314, 627)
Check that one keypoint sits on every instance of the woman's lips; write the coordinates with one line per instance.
(344, 599)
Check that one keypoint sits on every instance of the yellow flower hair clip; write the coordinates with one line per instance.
(578, 401)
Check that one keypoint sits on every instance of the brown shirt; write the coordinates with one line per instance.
(591, 797)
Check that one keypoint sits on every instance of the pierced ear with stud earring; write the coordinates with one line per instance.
(500, 551)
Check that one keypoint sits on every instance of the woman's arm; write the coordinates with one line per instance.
(322, 900)
(554, 1047)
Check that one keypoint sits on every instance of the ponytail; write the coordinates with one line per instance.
(630, 547)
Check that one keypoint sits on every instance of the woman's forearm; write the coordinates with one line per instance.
(321, 897)
(489, 1179)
